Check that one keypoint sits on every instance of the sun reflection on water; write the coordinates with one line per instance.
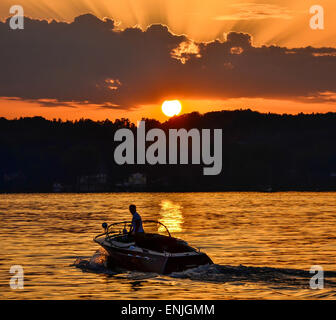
(171, 216)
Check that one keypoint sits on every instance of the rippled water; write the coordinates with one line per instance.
(263, 245)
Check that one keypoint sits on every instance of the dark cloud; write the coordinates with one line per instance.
(89, 61)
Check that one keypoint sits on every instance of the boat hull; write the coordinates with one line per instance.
(179, 264)
(148, 261)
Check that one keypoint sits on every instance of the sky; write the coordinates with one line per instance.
(103, 59)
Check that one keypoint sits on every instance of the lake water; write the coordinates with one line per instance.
(263, 245)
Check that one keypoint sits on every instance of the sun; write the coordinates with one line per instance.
(171, 108)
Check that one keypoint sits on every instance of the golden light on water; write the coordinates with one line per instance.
(172, 217)
(171, 108)
(279, 231)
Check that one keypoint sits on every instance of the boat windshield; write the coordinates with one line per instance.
(150, 226)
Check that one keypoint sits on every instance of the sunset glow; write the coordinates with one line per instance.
(213, 56)
(167, 150)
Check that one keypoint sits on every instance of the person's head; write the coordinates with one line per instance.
(132, 208)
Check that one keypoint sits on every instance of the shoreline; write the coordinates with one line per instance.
(179, 191)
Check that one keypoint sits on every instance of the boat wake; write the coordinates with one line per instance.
(98, 264)
(280, 276)
(211, 273)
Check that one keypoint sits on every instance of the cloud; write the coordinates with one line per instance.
(88, 61)
(326, 96)
(256, 11)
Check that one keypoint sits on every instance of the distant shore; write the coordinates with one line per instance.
(210, 190)
(260, 153)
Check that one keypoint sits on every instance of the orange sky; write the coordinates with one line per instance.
(13, 109)
(283, 23)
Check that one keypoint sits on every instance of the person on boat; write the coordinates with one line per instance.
(136, 221)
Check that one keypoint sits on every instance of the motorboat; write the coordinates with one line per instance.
(148, 251)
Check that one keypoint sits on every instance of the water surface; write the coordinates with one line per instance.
(263, 245)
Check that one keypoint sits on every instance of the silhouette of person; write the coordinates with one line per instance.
(136, 221)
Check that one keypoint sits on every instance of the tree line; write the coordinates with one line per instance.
(261, 152)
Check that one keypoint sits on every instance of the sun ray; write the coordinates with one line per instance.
(284, 23)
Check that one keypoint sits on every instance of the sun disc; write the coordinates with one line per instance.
(171, 108)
